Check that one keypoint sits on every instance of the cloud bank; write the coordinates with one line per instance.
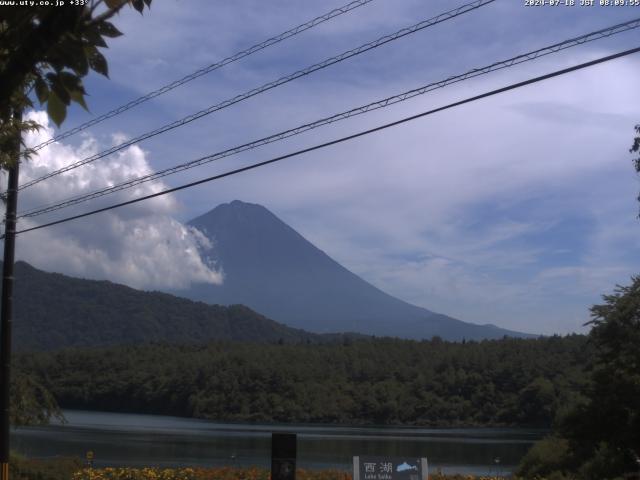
(519, 210)
(142, 246)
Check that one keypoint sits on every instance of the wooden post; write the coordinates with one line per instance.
(6, 311)
(283, 456)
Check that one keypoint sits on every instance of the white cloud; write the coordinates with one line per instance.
(142, 245)
(459, 212)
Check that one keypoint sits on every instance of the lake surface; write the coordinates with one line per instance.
(150, 440)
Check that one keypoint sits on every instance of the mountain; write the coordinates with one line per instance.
(53, 311)
(272, 269)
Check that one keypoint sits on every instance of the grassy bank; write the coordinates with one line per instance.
(72, 469)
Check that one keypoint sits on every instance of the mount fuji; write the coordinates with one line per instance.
(274, 270)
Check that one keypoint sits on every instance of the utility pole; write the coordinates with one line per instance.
(6, 311)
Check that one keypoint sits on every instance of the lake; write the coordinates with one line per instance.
(151, 440)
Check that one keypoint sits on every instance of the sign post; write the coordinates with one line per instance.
(390, 468)
(89, 459)
(283, 456)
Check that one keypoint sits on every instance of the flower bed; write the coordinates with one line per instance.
(224, 473)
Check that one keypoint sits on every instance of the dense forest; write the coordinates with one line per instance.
(99, 313)
(376, 381)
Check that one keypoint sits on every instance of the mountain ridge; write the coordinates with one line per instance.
(52, 311)
(274, 270)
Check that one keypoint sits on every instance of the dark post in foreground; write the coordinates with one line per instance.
(283, 456)
(6, 310)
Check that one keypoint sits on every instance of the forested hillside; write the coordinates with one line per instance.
(55, 311)
(378, 381)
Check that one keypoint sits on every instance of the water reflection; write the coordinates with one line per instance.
(137, 440)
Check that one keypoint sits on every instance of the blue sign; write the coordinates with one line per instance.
(390, 468)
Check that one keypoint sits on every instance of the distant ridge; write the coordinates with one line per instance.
(54, 311)
(274, 270)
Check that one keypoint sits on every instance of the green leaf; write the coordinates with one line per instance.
(56, 109)
(51, 77)
(42, 90)
(108, 30)
(71, 82)
(71, 54)
(57, 87)
(56, 63)
(93, 37)
(75, 57)
(78, 97)
(98, 63)
(138, 5)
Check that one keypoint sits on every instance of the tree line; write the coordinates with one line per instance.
(376, 381)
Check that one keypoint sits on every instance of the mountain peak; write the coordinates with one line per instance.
(240, 203)
(274, 270)
(236, 205)
(244, 222)
(237, 212)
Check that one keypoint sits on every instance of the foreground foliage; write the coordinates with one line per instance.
(30, 402)
(379, 381)
(222, 473)
(47, 52)
(599, 437)
(72, 469)
(225, 473)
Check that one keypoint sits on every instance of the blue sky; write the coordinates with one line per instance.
(518, 210)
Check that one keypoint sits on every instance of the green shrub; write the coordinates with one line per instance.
(549, 458)
(605, 459)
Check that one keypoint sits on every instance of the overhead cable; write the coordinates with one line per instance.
(339, 140)
(208, 69)
(268, 86)
(605, 32)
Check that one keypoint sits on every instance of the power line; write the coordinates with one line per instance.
(605, 32)
(342, 139)
(208, 69)
(268, 86)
